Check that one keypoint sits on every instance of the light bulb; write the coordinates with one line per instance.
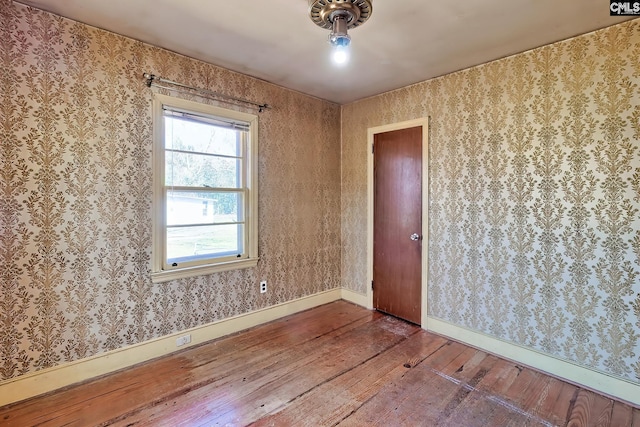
(340, 55)
(339, 39)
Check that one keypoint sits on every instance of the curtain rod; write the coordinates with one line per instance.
(152, 79)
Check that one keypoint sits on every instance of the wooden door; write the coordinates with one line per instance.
(397, 223)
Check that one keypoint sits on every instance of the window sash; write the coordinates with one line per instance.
(241, 179)
(205, 246)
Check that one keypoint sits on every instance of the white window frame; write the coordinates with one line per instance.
(160, 272)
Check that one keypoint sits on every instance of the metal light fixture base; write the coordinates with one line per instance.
(323, 12)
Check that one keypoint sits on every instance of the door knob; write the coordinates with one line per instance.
(414, 237)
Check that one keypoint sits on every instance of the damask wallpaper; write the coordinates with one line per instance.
(75, 204)
(534, 209)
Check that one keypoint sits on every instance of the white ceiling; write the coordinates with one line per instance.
(404, 41)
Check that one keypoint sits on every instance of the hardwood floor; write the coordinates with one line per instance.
(337, 364)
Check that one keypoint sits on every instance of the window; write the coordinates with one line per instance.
(205, 189)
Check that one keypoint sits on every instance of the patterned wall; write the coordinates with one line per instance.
(535, 197)
(75, 204)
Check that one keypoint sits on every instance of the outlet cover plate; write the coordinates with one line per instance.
(185, 339)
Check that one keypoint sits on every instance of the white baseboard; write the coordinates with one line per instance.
(354, 297)
(46, 380)
(596, 380)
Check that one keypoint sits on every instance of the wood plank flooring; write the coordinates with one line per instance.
(337, 364)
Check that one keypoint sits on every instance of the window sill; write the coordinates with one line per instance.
(202, 270)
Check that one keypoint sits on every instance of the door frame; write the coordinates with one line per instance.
(371, 132)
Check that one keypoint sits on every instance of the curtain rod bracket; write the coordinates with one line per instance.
(149, 78)
(152, 79)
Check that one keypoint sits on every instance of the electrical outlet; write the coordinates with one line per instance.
(263, 286)
(185, 339)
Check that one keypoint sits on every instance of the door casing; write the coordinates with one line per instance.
(424, 122)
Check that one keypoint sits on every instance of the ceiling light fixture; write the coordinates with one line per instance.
(339, 16)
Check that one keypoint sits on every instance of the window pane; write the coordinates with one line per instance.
(200, 242)
(185, 207)
(194, 170)
(191, 135)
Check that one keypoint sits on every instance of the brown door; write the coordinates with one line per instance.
(397, 223)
